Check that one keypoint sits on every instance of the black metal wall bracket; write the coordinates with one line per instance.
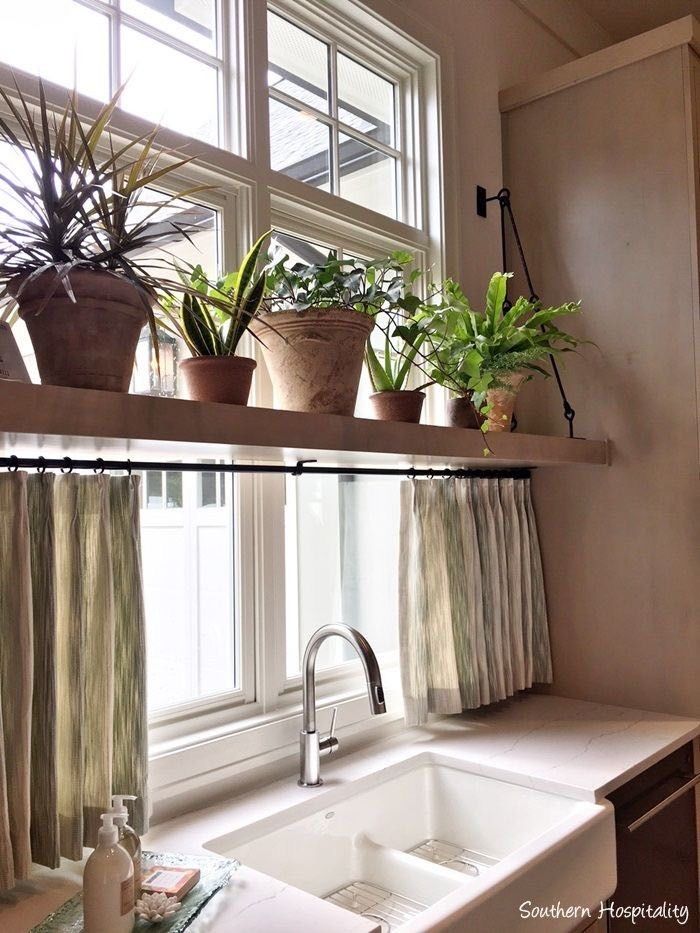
(503, 198)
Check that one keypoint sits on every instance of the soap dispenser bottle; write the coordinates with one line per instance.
(128, 838)
(108, 884)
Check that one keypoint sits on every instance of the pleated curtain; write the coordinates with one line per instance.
(472, 612)
(72, 663)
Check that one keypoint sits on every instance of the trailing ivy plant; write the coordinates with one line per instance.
(369, 286)
(213, 317)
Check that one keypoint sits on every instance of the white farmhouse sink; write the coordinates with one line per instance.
(427, 844)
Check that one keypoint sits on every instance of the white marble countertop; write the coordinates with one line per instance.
(571, 747)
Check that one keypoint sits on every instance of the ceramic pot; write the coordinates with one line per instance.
(314, 357)
(218, 378)
(461, 413)
(501, 401)
(89, 343)
(401, 405)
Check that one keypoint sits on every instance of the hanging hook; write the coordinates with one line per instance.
(68, 465)
(13, 465)
(128, 467)
(41, 465)
(100, 468)
(411, 472)
(299, 468)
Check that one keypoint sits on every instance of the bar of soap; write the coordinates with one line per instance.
(175, 882)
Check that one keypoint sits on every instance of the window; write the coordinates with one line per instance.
(332, 119)
(189, 588)
(167, 52)
(334, 143)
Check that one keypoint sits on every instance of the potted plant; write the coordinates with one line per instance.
(70, 240)
(320, 317)
(389, 368)
(485, 358)
(212, 319)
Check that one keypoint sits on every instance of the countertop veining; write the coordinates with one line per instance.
(571, 747)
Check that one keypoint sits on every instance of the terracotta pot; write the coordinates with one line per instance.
(218, 378)
(314, 357)
(89, 343)
(461, 413)
(401, 405)
(502, 401)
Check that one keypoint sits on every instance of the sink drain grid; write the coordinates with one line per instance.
(375, 903)
(454, 857)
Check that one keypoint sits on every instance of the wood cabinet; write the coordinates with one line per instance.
(656, 837)
(601, 156)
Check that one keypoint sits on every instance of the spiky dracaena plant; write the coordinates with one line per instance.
(75, 200)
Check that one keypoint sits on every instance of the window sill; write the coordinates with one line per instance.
(190, 772)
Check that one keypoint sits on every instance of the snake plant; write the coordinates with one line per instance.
(213, 317)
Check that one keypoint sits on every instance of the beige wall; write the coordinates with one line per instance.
(604, 183)
(485, 45)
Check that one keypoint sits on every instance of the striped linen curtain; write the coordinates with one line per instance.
(72, 663)
(472, 613)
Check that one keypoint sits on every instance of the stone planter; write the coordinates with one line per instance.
(502, 401)
(462, 414)
(89, 343)
(401, 405)
(218, 378)
(314, 357)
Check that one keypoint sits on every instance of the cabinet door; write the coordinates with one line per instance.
(657, 857)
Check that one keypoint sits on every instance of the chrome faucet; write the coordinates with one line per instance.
(311, 745)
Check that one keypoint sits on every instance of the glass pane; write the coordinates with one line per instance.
(207, 490)
(173, 490)
(299, 145)
(200, 246)
(298, 63)
(59, 40)
(154, 490)
(365, 101)
(191, 21)
(367, 176)
(298, 250)
(344, 531)
(166, 86)
(189, 571)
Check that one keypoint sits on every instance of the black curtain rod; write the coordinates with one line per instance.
(98, 465)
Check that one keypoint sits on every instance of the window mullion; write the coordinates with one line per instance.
(333, 101)
(115, 47)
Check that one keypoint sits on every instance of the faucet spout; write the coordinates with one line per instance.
(310, 743)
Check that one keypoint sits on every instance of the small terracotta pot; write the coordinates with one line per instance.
(501, 401)
(401, 405)
(314, 357)
(218, 378)
(89, 343)
(462, 414)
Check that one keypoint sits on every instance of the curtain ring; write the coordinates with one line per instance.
(68, 465)
(100, 468)
(13, 465)
(128, 467)
(41, 466)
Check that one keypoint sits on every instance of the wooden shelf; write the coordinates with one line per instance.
(58, 419)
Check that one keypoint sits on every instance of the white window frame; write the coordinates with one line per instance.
(260, 721)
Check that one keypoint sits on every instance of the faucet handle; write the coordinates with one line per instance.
(329, 743)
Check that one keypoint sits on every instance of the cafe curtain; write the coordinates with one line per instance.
(472, 613)
(72, 663)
